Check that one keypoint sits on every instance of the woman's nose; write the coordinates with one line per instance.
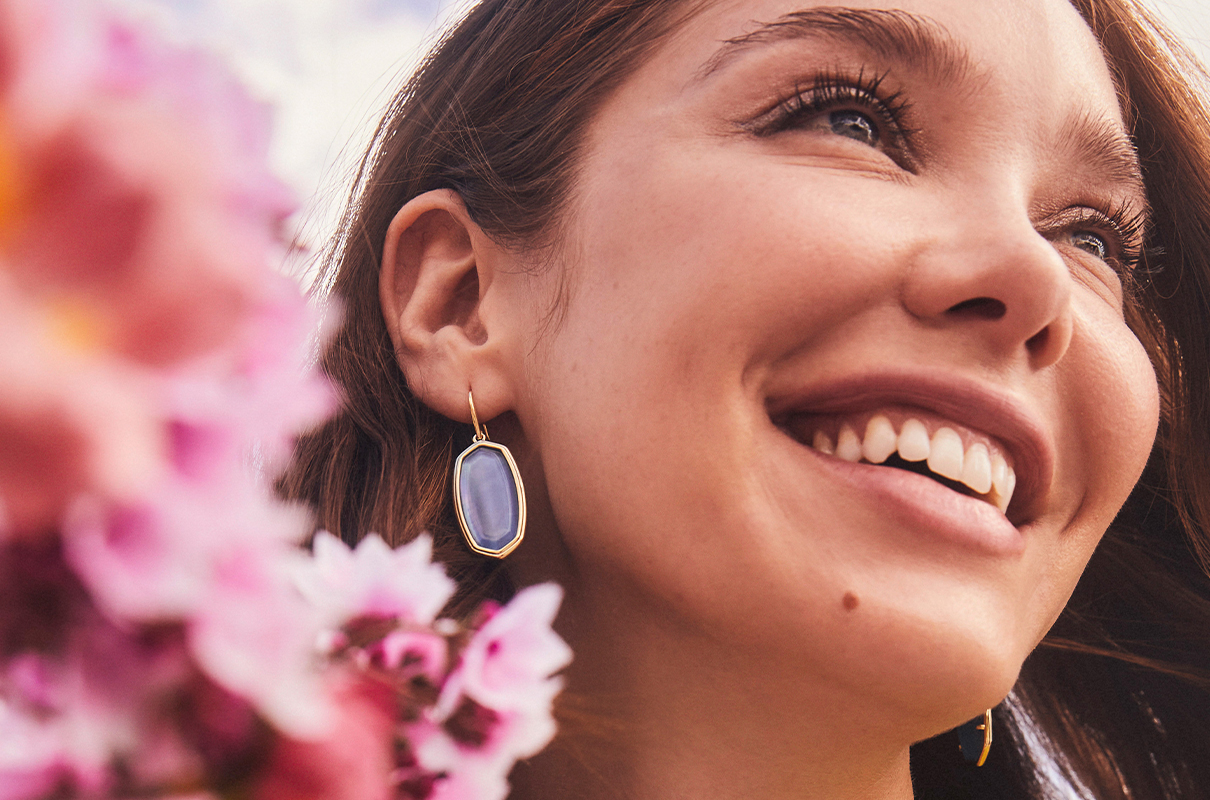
(1003, 283)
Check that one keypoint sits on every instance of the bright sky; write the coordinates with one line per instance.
(328, 65)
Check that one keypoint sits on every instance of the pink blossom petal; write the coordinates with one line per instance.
(267, 656)
(145, 195)
(374, 581)
(160, 559)
(505, 738)
(495, 707)
(67, 423)
(513, 655)
(471, 785)
(414, 653)
(135, 562)
(255, 399)
(31, 756)
(352, 762)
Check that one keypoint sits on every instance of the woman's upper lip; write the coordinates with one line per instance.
(986, 408)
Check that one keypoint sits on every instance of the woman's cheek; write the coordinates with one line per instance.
(1114, 400)
(1109, 398)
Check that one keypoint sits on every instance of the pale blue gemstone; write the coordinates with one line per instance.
(488, 495)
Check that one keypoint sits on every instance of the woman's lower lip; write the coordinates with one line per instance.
(922, 504)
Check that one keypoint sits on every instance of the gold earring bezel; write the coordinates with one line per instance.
(520, 487)
(986, 727)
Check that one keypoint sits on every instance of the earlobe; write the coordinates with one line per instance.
(433, 276)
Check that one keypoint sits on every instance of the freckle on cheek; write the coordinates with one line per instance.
(850, 601)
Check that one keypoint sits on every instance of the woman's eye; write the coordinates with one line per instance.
(854, 107)
(1113, 235)
(854, 125)
(1092, 243)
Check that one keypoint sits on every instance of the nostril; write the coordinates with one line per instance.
(979, 307)
(1037, 342)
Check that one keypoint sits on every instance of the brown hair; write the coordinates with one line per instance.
(1119, 693)
(495, 112)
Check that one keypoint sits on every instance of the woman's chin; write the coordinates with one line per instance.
(930, 674)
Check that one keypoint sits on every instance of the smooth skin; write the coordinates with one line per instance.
(752, 618)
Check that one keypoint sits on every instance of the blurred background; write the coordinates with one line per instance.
(329, 66)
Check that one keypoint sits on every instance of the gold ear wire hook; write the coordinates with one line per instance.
(480, 430)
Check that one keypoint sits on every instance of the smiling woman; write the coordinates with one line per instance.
(854, 365)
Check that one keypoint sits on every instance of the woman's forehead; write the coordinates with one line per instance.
(1043, 45)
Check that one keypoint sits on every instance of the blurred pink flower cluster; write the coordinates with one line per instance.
(162, 634)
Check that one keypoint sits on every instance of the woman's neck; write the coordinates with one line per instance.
(656, 714)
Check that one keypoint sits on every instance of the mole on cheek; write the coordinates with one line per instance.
(850, 601)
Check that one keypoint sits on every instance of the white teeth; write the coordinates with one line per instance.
(999, 471)
(945, 454)
(848, 446)
(913, 441)
(880, 440)
(1003, 490)
(977, 468)
(983, 470)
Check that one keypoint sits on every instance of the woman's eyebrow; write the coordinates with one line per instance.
(915, 40)
(1103, 145)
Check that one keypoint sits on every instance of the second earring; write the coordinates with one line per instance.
(489, 497)
(975, 739)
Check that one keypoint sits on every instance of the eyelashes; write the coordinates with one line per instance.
(1125, 230)
(1131, 228)
(1114, 236)
(860, 106)
(853, 105)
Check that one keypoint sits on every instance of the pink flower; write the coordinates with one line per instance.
(143, 197)
(140, 224)
(137, 560)
(256, 636)
(124, 219)
(111, 687)
(352, 762)
(508, 663)
(102, 697)
(257, 397)
(221, 566)
(412, 653)
(51, 51)
(471, 752)
(286, 391)
(476, 748)
(472, 785)
(161, 558)
(154, 370)
(31, 755)
(153, 373)
(374, 581)
(495, 708)
(67, 422)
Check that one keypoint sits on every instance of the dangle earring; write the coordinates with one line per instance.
(488, 496)
(975, 738)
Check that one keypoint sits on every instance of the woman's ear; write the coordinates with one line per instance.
(437, 266)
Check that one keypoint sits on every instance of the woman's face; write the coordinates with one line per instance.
(803, 239)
